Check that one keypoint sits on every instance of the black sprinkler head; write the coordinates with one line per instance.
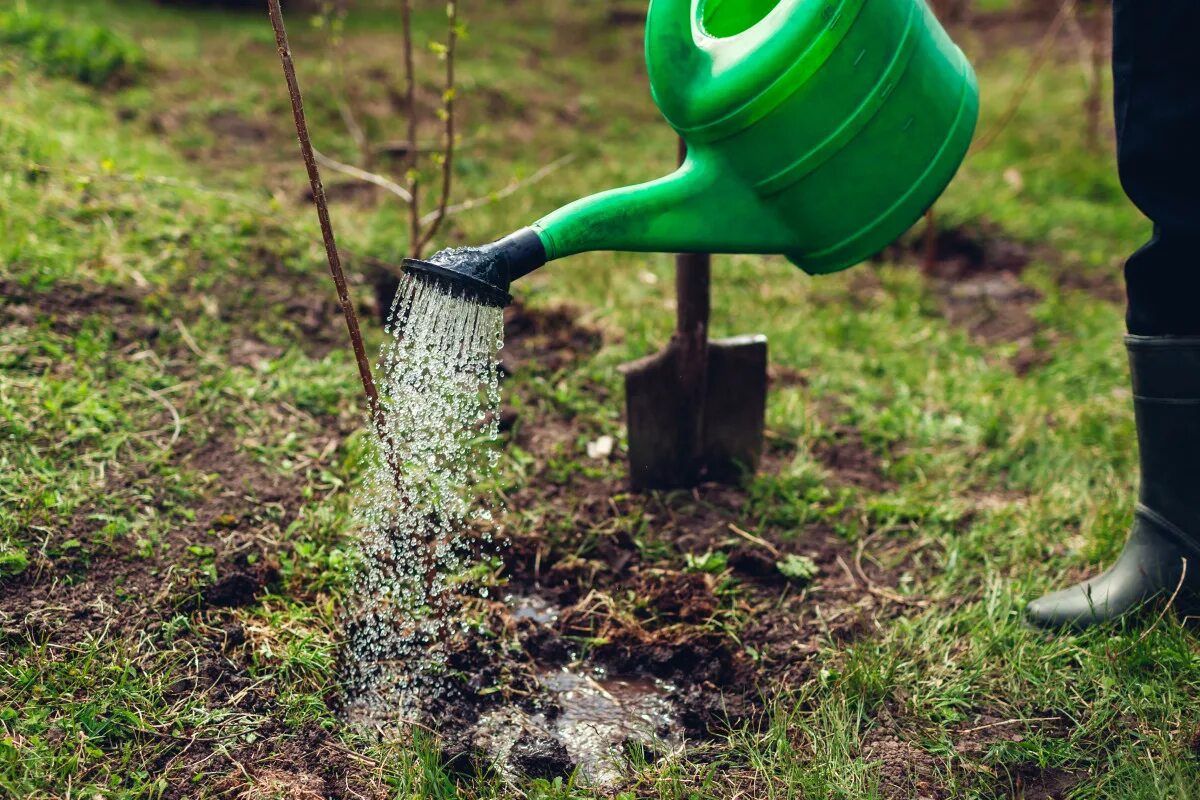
(458, 282)
(482, 274)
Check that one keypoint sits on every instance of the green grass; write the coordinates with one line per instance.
(90, 54)
(190, 236)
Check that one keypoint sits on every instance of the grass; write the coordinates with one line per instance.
(90, 54)
(162, 267)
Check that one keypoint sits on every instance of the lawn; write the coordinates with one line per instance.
(949, 434)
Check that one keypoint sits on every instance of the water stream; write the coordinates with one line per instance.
(422, 508)
(421, 495)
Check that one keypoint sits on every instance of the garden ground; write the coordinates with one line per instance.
(948, 436)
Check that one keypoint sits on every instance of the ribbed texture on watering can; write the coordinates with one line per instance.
(854, 155)
(902, 103)
(846, 245)
(865, 104)
(710, 87)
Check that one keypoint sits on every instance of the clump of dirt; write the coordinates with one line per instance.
(905, 770)
(964, 253)
(1032, 782)
(298, 765)
(541, 756)
(240, 583)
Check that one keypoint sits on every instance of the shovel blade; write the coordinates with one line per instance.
(735, 407)
(675, 441)
(663, 434)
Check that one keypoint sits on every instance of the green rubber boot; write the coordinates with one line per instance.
(1166, 526)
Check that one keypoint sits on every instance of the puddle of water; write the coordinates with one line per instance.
(600, 716)
(533, 608)
(597, 718)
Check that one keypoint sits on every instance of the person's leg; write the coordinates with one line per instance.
(1156, 83)
(1156, 64)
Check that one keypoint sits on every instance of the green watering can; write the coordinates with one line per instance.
(816, 129)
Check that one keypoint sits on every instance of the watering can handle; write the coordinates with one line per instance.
(704, 83)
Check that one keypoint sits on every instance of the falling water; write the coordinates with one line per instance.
(421, 496)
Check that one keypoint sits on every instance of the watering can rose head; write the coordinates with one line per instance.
(816, 129)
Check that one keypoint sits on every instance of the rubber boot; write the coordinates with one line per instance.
(1166, 526)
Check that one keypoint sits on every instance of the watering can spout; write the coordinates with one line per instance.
(696, 209)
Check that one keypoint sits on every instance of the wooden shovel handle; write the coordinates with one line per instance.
(692, 274)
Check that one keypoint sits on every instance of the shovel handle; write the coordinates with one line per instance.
(692, 273)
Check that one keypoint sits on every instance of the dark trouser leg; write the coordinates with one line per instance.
(1156, 65)
(1156, 82)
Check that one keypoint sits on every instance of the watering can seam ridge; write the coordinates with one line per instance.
(781, 88)
(863, 114)
(547, 240)
(965, 103)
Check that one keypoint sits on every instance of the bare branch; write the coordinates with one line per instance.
(410, 103)
(448, 120)
(336, 14)
(507, 191)
(370, 177)
(314, 178)
(356, 131)
(1065, 10)
(454, 208)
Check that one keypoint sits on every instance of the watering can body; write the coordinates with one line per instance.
(816, 129)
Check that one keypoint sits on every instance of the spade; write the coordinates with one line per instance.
(695, 410)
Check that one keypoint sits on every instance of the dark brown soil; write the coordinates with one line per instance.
(303, 310)
(541, 757)
(231, 128)
(65, 598)
(903, 767)
(975, 274)
(846, 455)
(65, 309)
